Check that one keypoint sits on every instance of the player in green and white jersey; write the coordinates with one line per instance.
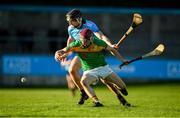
(90, 52)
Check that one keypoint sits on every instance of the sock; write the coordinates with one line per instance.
(82, 91)
(120, 97)
(95, 99)
(124, 92)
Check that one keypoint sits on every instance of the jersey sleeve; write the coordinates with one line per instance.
(73, 45)
(93, 26)
(100, 42)
(69, 31)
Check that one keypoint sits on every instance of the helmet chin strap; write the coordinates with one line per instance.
(86, 46)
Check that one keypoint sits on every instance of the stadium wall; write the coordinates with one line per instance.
(44, 70)
(31, 33)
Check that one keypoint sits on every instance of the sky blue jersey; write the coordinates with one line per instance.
(75, 32)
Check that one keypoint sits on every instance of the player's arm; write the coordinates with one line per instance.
(116, 54)
(69, 40)
(100, 35)
(60, 55)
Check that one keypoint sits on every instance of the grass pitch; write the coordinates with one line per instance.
(157, 100)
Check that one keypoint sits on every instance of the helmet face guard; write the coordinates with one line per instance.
(86, 45)
(75, 22)
(86, 37)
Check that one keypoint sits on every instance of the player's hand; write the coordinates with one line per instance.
(59, 56)
(126, 62)
(115, 46)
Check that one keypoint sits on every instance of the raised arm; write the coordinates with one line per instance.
(116, 54)
(61, 54)
(100, 35)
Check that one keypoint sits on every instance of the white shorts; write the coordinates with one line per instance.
(99, 73)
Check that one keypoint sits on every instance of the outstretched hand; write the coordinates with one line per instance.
(115, 46)
(60, 55)
(126, 62)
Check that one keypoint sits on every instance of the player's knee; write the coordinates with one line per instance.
(84, 82)
(72, 71)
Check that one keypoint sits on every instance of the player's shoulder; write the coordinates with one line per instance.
(91, 25)
(70, 27)
(89, 22)
(98, 41)
(73, 45)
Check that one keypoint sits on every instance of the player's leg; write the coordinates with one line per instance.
(110, 86)
(75, 76)
(74, 72)
(115, 90)
(86, 81)
(71, 85)
(107, 74)
(117, 81)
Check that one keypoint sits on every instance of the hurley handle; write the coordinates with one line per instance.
(125, 63)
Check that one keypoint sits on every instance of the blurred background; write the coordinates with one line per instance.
(31, 32)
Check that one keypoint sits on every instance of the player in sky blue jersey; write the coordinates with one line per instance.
(74, 32)
(76, 24)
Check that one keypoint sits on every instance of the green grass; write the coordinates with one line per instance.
(157, 100)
